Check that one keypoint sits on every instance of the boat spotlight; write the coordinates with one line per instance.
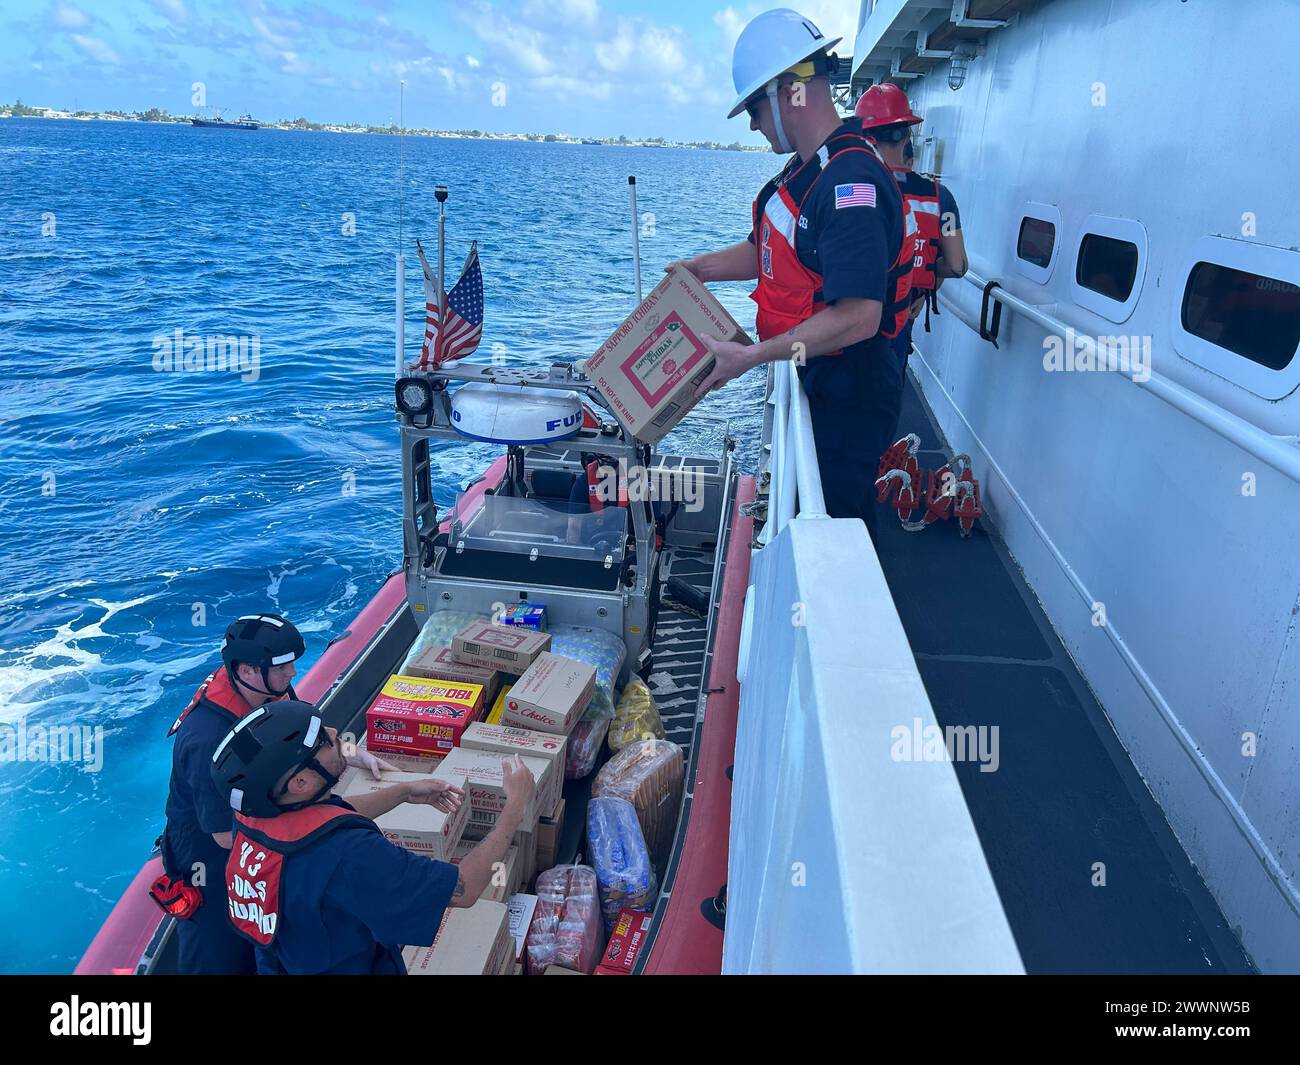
(415, 400)
(962, 54)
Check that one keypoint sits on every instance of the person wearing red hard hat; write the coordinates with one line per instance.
(940, 251)
(829, 250)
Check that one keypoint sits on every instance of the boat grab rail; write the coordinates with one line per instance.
(795, 488)
(1279, 452)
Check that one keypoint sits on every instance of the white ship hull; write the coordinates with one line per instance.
(1154, 521)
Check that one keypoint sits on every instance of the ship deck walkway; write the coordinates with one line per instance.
(1065, 796)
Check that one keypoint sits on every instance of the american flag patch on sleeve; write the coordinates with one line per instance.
(861, 195)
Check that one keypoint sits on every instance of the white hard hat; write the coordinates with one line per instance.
(770, 45)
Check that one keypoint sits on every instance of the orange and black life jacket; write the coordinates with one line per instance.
(258, 855)
(925, 242)
(788, 293)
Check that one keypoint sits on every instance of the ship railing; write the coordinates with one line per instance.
(795, 484)
(847, 854)
(1279, 452)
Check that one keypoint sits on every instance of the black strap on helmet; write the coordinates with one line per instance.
(263, 641)
(279, 738)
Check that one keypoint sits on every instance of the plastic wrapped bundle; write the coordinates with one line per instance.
(438, 631)
(618, 854)
(636, 717)
(602, 650)
(648, 774)
(584, 747)
(598, 648)
(566, 929)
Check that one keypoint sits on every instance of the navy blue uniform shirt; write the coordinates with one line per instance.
(852, 248)
(350, 901)
(195, 808)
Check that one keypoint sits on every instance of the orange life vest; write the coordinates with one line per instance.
(256, 864)
(925, 242)
(218, 695)
(788, 292)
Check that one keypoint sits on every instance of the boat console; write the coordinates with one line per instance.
(526, 531)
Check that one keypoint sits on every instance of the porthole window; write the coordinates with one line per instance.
(1036, 241)
(1107, 265)
(1255, 316)
(1238, 314)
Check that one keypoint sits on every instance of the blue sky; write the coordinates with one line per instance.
(585, 67)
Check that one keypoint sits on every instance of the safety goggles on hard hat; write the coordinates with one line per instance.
(895, 134)
(822, 64)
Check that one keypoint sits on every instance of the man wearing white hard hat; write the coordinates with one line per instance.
(827, 249)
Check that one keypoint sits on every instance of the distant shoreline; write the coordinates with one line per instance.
(301, 126)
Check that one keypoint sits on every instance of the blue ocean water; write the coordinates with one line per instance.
(140, 511)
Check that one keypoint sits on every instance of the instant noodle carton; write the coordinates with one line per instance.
(551, 696)
(414, 715)
(417, 827)
(651, 365)
(505, 647)
(438, 663)
(486, 787)
(474, 941)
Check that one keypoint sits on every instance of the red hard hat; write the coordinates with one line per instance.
(884, 105)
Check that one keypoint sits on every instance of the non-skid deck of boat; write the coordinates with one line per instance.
(1065, 805)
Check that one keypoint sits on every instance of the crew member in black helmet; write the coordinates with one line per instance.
(259, 657)
(311, 881)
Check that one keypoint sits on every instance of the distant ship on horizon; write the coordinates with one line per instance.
(243, 122)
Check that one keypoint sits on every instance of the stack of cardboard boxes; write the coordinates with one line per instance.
(429, 719)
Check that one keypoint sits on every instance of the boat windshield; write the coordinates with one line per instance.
(522, 526)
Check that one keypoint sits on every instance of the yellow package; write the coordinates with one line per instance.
(636, 717)
(499, 707)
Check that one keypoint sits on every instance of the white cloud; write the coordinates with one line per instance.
(472, 62)
(70, 17)
(565, 87)
(565, 15)
(97, 50)
(174, 10)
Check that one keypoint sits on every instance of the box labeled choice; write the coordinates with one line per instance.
(551, 696)
(485, 786)
(651, 365)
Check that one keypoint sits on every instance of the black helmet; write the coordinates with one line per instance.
(274, 740)
(263, 641)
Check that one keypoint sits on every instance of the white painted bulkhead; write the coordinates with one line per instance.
(1173, 122)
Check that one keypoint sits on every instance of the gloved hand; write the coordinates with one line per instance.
(363, 759)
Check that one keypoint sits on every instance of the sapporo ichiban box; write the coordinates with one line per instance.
(651, 365)
(414, 715)
(505, 647)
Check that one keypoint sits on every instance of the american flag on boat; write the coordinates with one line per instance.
(459, 335)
